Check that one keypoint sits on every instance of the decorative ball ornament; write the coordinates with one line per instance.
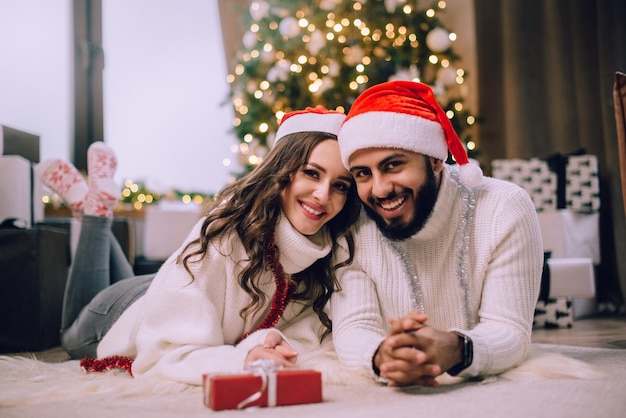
(447, 76)
(280, 71)
(283, 69)
(328, 5)
(401, 74)
(325, 84)
(334, 69)
(379, 52)
(390, 6)
(268, 57)
(438, 40)
(355, 56)
(259, 10)
(281, 12)
(316, 43)
(411, 73)
(288, 27)
(268, 98)
(272, 75)
(249, 39)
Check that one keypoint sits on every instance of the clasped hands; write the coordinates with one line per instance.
(414, 353)
(274, 348)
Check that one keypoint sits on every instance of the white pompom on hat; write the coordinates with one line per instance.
(311, 119)
(404, 114)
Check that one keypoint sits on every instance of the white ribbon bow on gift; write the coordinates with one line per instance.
(266, 369)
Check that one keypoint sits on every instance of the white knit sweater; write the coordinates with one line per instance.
(181, 329)
(471, 270)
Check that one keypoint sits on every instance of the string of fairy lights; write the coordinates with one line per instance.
(135, 196)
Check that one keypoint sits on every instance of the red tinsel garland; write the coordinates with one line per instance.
(107, 363)
(285, 288)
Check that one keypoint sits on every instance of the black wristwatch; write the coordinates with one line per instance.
(467, 356)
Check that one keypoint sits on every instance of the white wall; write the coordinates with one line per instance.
(36, 71)
(164, 82)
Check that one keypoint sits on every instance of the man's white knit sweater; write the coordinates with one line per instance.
(475, 268)
(181, 328)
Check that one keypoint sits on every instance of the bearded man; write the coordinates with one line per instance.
(447, 264)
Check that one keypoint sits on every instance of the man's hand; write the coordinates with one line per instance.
(415, 354)
(412, 322)
(274, 348)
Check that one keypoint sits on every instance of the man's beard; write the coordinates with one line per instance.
(424, 204)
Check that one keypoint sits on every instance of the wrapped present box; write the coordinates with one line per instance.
(560, 182)
(16, 142)
(568, 234)
(568, 284)
(553, 313)
(34, 264)
(165, 228)
(533, 175)
(21, 191)
(571, 235)
(278, 388)
(571, 277)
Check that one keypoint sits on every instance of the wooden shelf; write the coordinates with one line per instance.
(118, 212)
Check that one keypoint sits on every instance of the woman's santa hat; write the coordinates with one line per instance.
(404, 114)
(311, 119)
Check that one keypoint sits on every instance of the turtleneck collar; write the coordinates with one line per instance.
(296, 251)
(441, 217)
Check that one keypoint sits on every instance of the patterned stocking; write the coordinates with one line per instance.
(65, 180)
(103, 191)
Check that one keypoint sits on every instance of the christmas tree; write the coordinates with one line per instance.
(303, 53)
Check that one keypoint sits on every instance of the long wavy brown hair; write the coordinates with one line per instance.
(251, 207)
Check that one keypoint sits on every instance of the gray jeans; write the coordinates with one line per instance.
(100, 286)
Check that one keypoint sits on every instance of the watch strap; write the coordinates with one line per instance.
(467, 355)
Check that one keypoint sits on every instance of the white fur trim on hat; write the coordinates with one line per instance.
(310, 122)
(389, 129)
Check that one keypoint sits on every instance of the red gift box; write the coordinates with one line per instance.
(283, 387)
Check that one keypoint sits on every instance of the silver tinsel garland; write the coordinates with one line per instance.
(462, 260)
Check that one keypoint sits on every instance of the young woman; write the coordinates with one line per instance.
(250, 282)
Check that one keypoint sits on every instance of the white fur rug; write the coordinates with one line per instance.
(554, 381)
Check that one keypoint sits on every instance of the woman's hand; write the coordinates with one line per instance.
(274, 348)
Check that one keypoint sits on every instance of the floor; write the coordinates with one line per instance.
(600, 332)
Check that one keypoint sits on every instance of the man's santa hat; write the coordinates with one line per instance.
(311, 119)
(404, 114)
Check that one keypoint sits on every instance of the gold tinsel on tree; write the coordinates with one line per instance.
(296, 54)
